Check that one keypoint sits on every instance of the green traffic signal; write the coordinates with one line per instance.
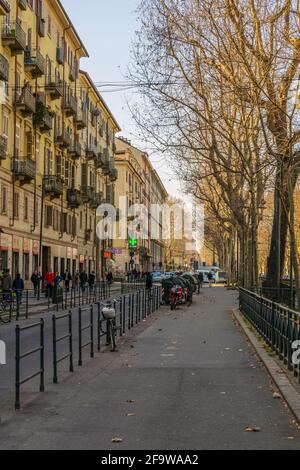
(133, 242)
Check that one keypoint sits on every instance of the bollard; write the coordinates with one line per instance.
(79, 338)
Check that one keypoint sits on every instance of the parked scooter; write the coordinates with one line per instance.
(177, 296)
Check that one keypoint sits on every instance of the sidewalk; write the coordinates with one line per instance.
(186, 380)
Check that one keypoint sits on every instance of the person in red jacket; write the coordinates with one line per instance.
(49, 279)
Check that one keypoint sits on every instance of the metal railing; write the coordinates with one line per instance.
(278, 325)
(19, 356)
(81, 329)
(67, 336)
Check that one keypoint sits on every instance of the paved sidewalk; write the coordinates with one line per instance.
(186, 380)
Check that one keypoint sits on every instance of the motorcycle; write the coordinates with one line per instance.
(177, 296)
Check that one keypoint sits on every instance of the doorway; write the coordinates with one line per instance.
(46, 261)
(15, 264)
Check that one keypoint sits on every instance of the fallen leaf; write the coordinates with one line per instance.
(129, 415)
(130, 401)
(116, 440)
(291, 438)
(277, 396)
(252, 429)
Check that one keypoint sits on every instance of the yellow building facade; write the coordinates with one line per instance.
(138, 183)
(56, 143)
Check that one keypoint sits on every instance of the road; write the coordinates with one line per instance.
(185, 380)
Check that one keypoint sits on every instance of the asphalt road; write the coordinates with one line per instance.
(185, 380)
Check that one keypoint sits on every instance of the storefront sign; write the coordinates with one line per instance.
(16, 246)
(5, 242)
(35, 247)
(26, 245)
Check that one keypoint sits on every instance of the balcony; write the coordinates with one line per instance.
(63, 138)
(46, 123)
(73, 74)
(60, 55)
(22, 4)
(81, 119)
(4, 68)
(34, 63)
(113, 175)
(4, 7)
(23, 169)
(91, 152)
(55, 89)
(53, 186)
(75, 151)
(70, 105)
(14, 37)
(96, 201)
(3, 147)
(106, 168)
(74, 198)
(88, 235)
(99, 161)
(25, 102)
(87, 194)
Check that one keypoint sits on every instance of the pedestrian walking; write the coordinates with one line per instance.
(83, 280)
(49, 280)
(200, 281)
(36, 280)
(67, 279)
(18, 287)
(76, 280)
(91, 281)
(109, 278)
(149, 282)
(210, 277)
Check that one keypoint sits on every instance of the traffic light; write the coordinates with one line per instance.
(133, 242)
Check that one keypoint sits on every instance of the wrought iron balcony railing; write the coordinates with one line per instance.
(34, 63)
(63, 138)
(53, 186)
(91, 151)
(55, 88)
(81, 119)
(23, 169)
(87, 193)
(70, 105)
(14, 37)
(4, 7)
(25, 102)
(96, 201)
(74, 198)
(75, 151)
(113, 174)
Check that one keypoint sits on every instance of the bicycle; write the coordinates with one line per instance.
(109, 314)
(7, 306)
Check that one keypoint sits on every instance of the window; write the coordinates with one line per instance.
(5, 124)
(80, 220)
(3, 200)
(49, 26)
(16, 205)
(48, 216)
(26, 266)
(26, 208)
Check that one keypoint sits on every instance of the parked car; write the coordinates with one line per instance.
(157, 276)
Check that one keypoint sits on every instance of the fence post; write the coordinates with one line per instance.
(17, 400)
(55, 379)
(92, 330)
(129, 311)
(98, 327)
(71, 342)
(42, 362)
(79, 338)
(26, 305)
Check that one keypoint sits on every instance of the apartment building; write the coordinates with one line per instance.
(138, 183)
(57, 135)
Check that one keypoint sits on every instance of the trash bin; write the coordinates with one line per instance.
(57, 295)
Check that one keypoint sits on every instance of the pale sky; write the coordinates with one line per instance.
(107, 28)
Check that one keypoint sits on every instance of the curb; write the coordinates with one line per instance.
(287, 390)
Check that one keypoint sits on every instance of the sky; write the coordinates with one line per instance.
(107, 28)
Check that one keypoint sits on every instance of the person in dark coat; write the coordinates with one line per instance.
(83, 280)
(149, 282)
(67, 279)
(92, 279)
(18, 287)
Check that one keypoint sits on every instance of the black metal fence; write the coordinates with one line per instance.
(278, 325)
(131, 309)
(15, 305)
